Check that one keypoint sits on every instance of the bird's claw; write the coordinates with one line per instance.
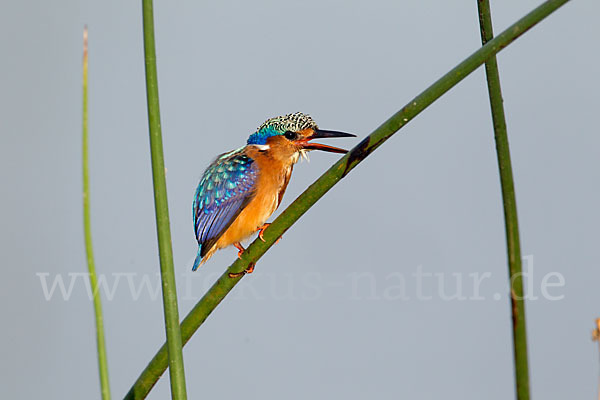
(241, 249)
(262, 230)
(248, 270)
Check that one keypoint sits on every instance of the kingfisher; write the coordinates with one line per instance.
(241, 189)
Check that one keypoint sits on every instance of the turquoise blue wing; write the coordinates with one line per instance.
(225, 189)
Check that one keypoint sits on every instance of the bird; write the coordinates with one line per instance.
(242, 188)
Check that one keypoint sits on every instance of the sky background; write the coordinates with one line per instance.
(336, 309)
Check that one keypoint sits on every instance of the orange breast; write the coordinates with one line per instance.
(272, 182)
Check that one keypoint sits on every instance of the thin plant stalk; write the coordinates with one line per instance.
(173, 333)
(323, 184)
(511, 222)
(87, 231)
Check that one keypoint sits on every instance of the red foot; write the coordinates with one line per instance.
(248, 270)
(241, 249)
(261, 231)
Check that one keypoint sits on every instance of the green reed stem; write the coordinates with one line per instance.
(174, 346)
(340, 169)
(87, 231)
(510, 209)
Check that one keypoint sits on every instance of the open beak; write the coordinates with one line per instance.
(321, 133)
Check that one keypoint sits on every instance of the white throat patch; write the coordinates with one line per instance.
(262, 147)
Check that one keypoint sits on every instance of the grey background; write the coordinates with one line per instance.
(304, 325)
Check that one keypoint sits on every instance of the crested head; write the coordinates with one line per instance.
(279, 125)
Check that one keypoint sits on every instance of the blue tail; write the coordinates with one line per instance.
(198, 259)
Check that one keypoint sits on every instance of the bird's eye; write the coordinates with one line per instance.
(290, 135)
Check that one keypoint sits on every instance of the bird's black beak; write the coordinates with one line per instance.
(321, 133)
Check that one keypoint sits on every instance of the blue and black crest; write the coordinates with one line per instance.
(279, 125)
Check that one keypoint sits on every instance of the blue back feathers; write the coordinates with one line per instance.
(225, 189)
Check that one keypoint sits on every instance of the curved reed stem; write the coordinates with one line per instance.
(513, 246)
(87, 232)
(340, 169)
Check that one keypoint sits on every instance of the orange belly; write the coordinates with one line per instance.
(251, 218)
(270, 189)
